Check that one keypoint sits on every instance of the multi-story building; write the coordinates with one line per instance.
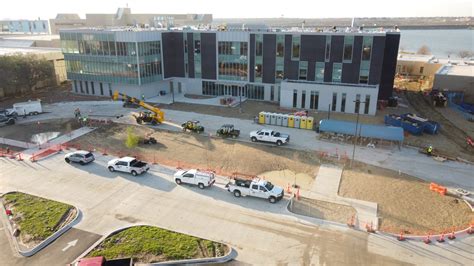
(24, 26)
(307, 70)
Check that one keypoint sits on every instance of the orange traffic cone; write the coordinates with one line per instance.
(427, 240)
(288, 189)
(441, 238)
(401, 237)
(298, 194)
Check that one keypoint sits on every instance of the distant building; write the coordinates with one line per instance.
(297, 69)
(124, 17)
(24, 26)
(456, 78)
(418, 67)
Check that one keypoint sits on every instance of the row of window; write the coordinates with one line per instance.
(83, 87)
(249, 91)
(314, 101)
(238, 70)
(114, 69)
(233, 48)
(110, 48)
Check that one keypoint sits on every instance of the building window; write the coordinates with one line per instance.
(328, 48)
(295, 98)
(303, 71)
(343, 103)
(319, 75)
(75, 86)
(336, 72)
(421, 70)
(92, 87)
(258, 44)
(357, 104)
(314, 100)
(279, 73)
(295, 48)
(110, 89)
(258, 71)
(303, 99)
(334, 101)
(364, 72)
(80, 85)
(348, 45)
(367, 48)
(272, 93)
(256, 92)
(243, 48)
(367, 104)
(197, 46)
(101, 89)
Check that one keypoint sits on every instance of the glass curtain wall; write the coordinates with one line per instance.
(233, 62)
(280, 55)
(258, 57)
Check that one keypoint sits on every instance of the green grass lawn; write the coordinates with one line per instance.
(151, 244)
(37, 217)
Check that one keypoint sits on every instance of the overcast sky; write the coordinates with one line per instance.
(46, 9)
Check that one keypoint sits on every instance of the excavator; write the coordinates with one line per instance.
(154, 116)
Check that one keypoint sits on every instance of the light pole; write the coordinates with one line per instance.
(358, 102)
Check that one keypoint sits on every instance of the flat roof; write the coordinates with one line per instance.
(457, 70)
(30, 37)
(28, 50)
(415, 57)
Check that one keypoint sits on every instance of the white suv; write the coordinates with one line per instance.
(195, 177)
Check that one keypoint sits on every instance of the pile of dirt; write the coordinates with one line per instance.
(405, 202)
(199, 151)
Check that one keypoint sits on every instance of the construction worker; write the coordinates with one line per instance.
(429, 150)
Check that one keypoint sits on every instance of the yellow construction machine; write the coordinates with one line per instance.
(154, 116)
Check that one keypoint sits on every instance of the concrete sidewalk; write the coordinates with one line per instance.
(17, 143)
(326, 188)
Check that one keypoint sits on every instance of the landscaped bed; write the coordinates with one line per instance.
(149, 244)
(37, 218)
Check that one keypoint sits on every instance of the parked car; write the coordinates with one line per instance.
(268, 135)
(6, 120)
(81, 157)
(9, 113)
(129, 165)
(195, 177)
(255, 188)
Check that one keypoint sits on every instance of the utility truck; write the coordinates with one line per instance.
(255, 187)
(195, 177)
(268, 135)
(129, 165)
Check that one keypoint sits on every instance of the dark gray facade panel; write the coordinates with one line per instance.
(350, 72)
(269, 57)
(252, 58)
(311, 68)
(313, 47)
(392, 42)
(328, 72)
(208, 55)
(291, 67)
(337, 45)
(173, 58)
(190, 55)
(375, 72)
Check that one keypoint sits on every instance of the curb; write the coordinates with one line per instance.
(44, 243)
(232, 254)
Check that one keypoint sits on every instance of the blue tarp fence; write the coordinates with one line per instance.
(364, 130)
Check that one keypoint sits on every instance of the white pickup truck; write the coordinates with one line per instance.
(255, 188)
(195, 177)
(129, 165)
(268, 135)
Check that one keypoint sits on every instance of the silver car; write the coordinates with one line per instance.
(81, 157)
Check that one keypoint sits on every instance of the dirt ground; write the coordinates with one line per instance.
(284, 177)
(405, 202)
(323, 210)
(23, 132)
(190, 150)
(49, 95)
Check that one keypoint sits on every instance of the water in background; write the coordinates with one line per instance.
(441, 42)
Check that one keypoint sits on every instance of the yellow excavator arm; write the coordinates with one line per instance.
(160, 115)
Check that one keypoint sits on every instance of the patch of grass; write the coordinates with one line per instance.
(36, 217)
(151, 244)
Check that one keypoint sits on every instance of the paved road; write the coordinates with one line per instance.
(406, 160)
(262, 233)
(53, 254)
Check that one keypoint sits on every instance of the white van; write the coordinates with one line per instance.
(195, 177)
(28, 108)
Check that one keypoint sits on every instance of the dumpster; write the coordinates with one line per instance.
(261, 118)
(279, 118)
(309, 122)
(267, 118)
(303, 122)
(297, 121)
(284, 120)
(291, 121)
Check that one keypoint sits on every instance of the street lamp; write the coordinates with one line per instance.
(357, 102)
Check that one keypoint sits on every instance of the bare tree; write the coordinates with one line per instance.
(424, 50)
(465, 53)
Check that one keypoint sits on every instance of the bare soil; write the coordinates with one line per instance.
(284, 178)
(49, 95)
(323, 210)
(405, 202)
(23, 132)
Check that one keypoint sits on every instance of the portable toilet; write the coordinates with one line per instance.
(309, 122)
(267, 118)
(279, 120)
(272, 119)
(261, 118)
(284, 120)
(291, 121)
(303, 122)
(297, 121)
